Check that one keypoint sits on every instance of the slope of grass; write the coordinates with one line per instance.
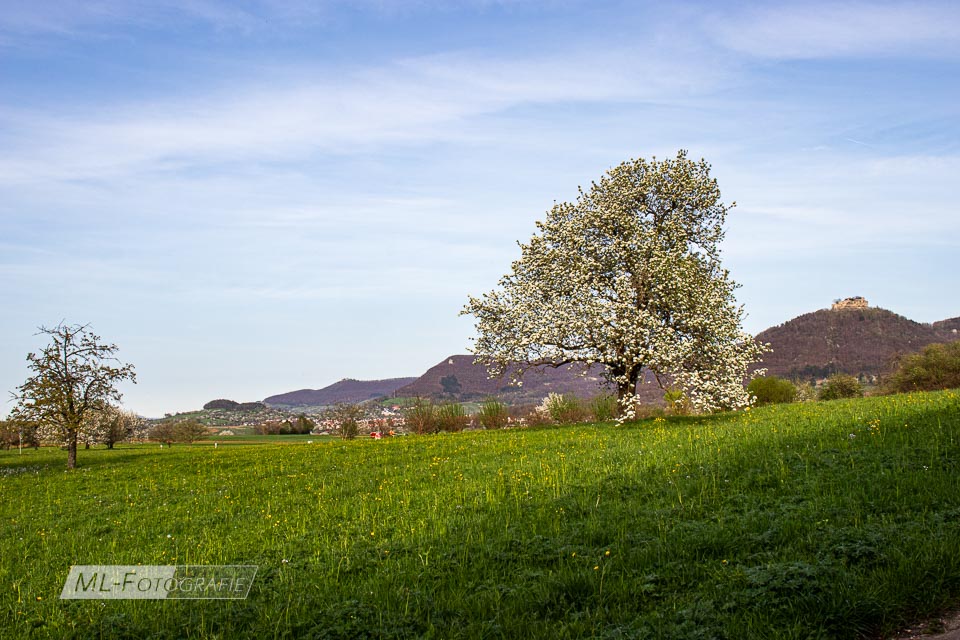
(827, 520)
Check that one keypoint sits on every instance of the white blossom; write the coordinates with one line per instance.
(628, 276)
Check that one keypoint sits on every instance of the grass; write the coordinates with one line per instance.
(825, 520)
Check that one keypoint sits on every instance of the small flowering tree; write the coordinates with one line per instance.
(629, 277)
(111, 425)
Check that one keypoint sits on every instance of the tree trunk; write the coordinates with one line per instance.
(109, 445)
(72, 451)
(628, 386)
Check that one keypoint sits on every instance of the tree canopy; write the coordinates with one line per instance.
(629, 277)
(74, 377)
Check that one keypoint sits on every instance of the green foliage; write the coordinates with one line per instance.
(493, 414)
(74, 377)
(421, 417)
(936, 367)
(189, 431)
(814, 520)
(183, 431)
(9, 434)
(604, 408)
(840, 385)
(772, 390)
(15, 434)
(222, 403)
(450, 416)
(806, 392)
(347, 419)
(676, 402)
(303, 425)
(164, 433)
(563, 408)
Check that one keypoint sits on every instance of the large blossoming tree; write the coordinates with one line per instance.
(629, 277)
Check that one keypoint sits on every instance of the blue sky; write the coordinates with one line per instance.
(250, 198)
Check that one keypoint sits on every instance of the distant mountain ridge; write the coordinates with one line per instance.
(856, 341)
(346, 390)
(457, 377)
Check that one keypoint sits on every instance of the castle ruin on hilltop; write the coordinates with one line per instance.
(856, 302)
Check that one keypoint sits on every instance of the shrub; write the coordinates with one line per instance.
(936, 367)
(840, 385)
(189, 431)
(806, 392)
(14, 433)
(9, 434)
(772, 390)
(451, 417)
(347, 419)
(164, 433)
(422, 417)
(604, 408)
(677, 402)
(537, 417)
(493, 414)
(562, 409)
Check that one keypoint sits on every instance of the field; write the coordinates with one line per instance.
(824, 520)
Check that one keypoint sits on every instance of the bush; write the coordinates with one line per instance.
(184, 431)
(189, 431)
(422, 417)
(806, 392)
(772, 390)
(936, 367)
(840, 385)
(562, 409)
(14, 434)
(164, 433)
(347, 419)
(604, 408)
(677, 402)
(9, 434)
(493, 414)
(451, 417)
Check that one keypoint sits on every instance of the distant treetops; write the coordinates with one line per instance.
(230, 405)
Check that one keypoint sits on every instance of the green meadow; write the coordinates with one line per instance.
(818, 520)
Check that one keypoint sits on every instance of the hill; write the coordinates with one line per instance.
(948, 329)
(457, 377)
(857, 341)
(346, 390)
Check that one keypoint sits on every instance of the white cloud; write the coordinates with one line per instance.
(413, 101)
(822, 30)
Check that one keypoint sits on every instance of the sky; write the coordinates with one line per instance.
(249, 198)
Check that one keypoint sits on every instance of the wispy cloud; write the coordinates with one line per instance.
(823, 30)
(412, 101)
